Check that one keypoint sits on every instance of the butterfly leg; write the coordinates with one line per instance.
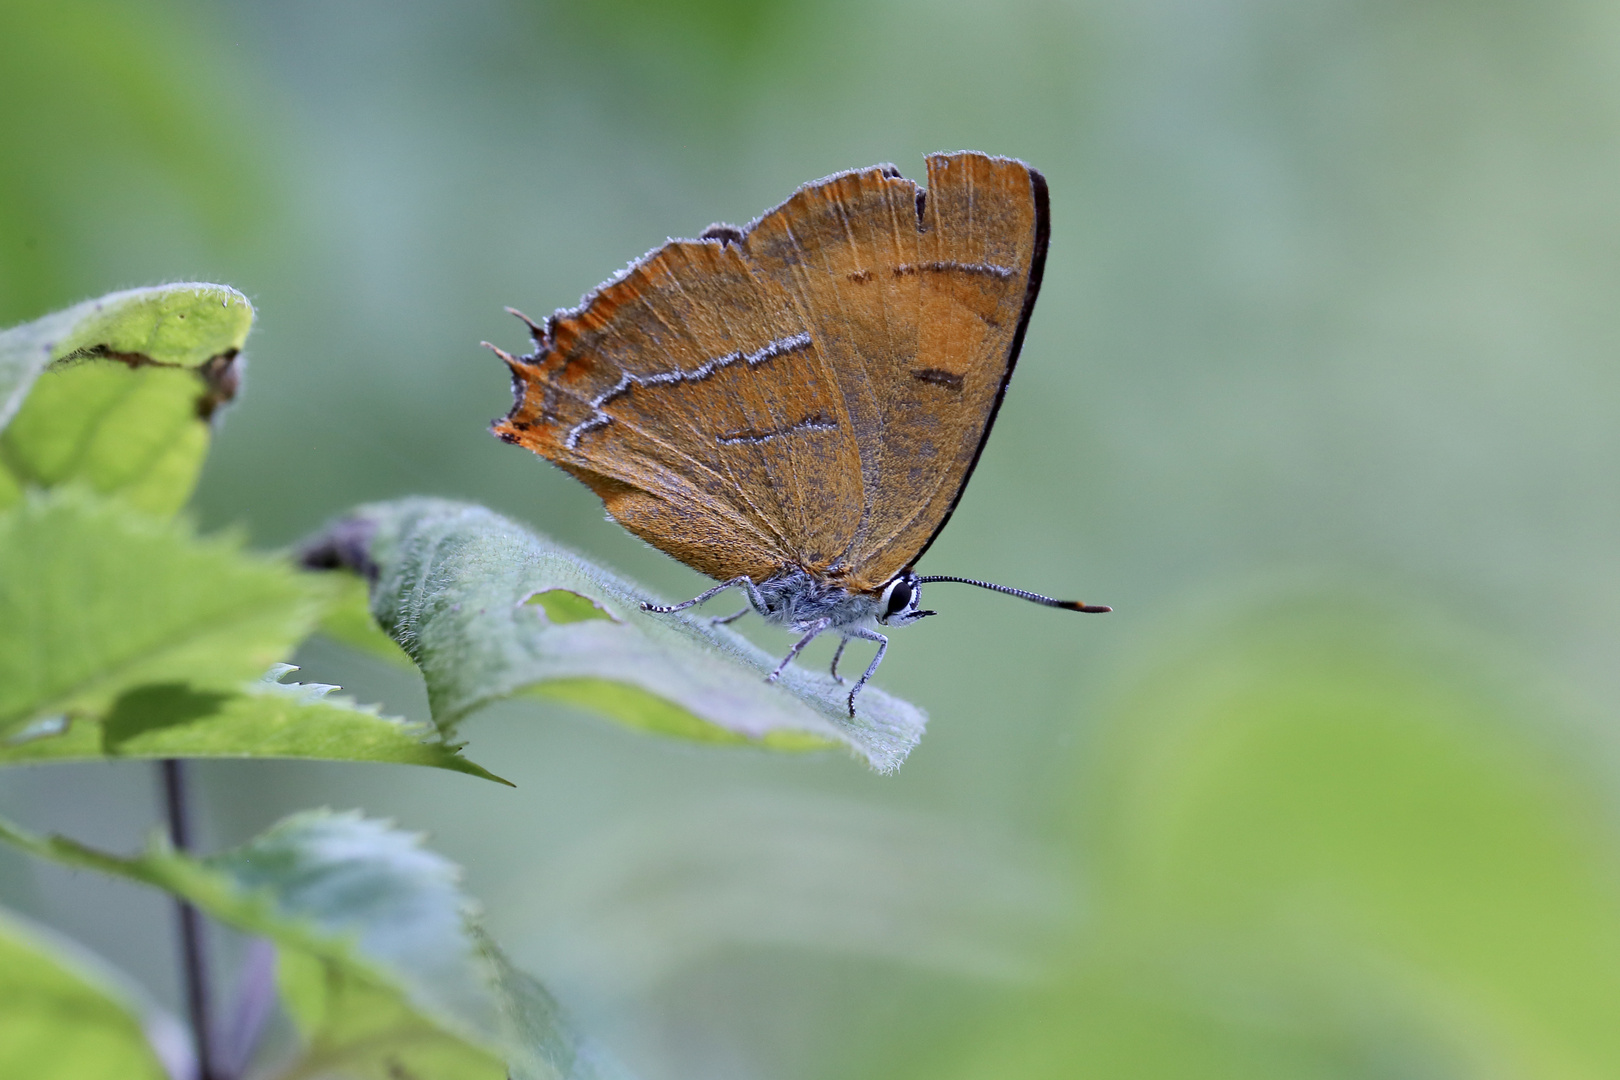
(815, 628)
(883, 647)
(722, 620)
(744, 583)
(837, 678)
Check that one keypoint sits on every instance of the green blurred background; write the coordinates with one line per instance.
(1319, 394)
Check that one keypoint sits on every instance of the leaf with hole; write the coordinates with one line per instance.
(490, 611)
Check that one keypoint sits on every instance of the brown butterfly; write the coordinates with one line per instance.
(794, 407)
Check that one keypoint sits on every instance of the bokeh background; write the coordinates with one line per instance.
(1320, 394)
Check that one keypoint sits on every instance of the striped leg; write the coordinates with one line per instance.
(883, 647)
(815, 629)
(744, 583)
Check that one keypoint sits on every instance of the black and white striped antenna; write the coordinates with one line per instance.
(1035, 598)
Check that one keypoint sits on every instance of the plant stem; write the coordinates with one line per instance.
(193, 946)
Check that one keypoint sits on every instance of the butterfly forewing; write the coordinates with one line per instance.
(814, 394)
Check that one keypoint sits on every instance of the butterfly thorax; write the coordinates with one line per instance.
(802, 601)
(797, 599)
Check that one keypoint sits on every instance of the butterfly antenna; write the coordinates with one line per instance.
(1072, 605)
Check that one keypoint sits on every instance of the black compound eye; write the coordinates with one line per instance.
(899, 598)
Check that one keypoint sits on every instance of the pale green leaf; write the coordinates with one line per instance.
(1328, 840)
(489, 610)
(1339, 803)
(116, 393)
(66, 1016)
(384, 966)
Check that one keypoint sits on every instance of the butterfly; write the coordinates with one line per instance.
(794, 407)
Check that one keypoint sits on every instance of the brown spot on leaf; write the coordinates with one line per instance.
(106, 352)
(221, 380)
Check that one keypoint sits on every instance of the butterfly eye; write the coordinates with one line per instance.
(897, 597)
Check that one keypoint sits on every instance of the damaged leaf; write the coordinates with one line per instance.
(117, 393)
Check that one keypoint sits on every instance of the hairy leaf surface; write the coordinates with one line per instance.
(489, 610)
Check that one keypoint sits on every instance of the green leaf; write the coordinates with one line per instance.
(66, 1016)
(116, 394)
(125, 636)
(97, 600)
(384, 965)
(266, 719)
(489, 611)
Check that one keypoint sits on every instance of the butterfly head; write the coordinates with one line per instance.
(899, 603)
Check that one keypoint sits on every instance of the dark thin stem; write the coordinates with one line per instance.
(193, 947)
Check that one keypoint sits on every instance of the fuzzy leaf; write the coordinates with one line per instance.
(383, 963)
(116, 393)
(68, 1017)
(348, 621)
(489, 611)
